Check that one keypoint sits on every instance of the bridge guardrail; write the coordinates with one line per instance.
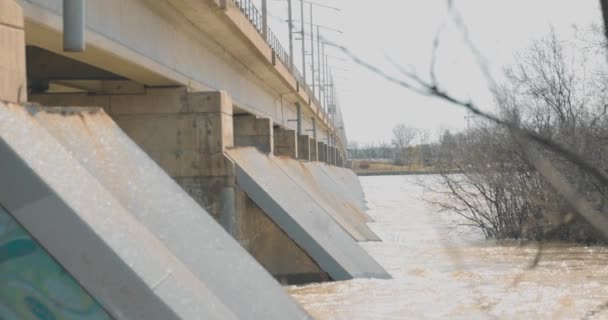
(248, 8)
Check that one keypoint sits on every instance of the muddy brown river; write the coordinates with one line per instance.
(439, 272)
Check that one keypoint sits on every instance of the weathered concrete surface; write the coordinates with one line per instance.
(13, 85)
(304, 147)
(314, 150)
(92, 235)
(164, 208)
(272, 247)
(325, 193)
(185, 133)
(346, 189)
(351, 185)
(302, 219)
(285, 143)
(322, 151)
(252, 131)
(350, 180)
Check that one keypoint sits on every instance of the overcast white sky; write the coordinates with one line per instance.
(404, 30)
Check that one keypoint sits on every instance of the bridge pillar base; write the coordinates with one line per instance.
(322, 152)
(285, 143)
(252, 131)
(333, 153)
(314, 150)
(304, 143)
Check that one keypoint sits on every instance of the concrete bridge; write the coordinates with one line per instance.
(178, 167)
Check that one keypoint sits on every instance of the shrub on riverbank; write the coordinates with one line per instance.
(559, 91)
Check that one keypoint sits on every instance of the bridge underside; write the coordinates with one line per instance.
(206, 46)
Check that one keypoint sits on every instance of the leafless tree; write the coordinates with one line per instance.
(403, 136)
(501, 189)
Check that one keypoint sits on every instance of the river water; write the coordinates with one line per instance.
(439, 272)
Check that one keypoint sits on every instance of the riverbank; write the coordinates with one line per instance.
(384, 168)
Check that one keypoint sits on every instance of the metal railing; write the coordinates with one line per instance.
(248, 8)
(277, 48)
(252, 13)
(256, 19)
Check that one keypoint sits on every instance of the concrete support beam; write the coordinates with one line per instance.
(13, 86)
(314, 150)
(251, 131)
(304, 144)
(285, 142)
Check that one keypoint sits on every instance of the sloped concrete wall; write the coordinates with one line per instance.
(327, 193)
(350, 181)
(93, 236)
(301, 217)
(273, 248)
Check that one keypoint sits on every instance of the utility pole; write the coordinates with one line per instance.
(312, 52)
(332, 108)
(303, 40)
(319, 61)
(264, 20)
(290, 24)
(323, 78)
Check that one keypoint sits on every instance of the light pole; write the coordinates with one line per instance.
(312, 43)
(312, 50)
(265, 20)
(290, 25)
(303, 40)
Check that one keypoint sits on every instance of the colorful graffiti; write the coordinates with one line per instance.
(33, 285)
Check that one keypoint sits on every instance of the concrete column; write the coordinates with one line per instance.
(333, 155)
(285, 142)
(340, 162)
(13, 86)
(322, 151)
(304, 147)
(314, 150)
(252, 131)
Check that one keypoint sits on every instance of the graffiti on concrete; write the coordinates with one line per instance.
(33, 285)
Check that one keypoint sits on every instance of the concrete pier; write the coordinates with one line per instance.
(314, 150)
(285, 142)
(251, 131)
(304, 152)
